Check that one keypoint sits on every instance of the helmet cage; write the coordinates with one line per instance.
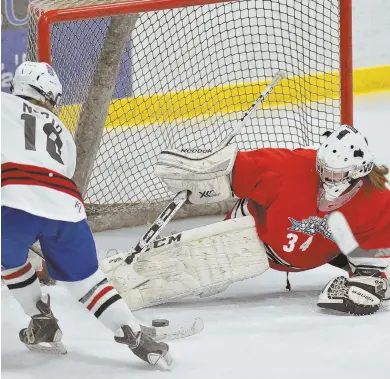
(336, 181)
(345, 175)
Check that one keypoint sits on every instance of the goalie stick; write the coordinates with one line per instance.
(178, 201)
(245, 118)
(181, 197)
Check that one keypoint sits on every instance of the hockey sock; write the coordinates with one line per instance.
(24, 285)
(102, 299)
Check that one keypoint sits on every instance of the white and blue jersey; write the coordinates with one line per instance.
(40, 202)
(38, 160)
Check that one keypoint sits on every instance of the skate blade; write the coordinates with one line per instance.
(53, 348)
(160, 361)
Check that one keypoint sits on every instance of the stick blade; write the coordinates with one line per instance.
(175, 331)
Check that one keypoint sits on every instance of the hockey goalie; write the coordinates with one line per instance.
(281, 221)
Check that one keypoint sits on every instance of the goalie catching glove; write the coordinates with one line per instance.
(206, 176)
(362, 294)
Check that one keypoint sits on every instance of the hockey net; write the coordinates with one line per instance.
(140, 76)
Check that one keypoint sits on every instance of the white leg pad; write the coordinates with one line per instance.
(198, 262)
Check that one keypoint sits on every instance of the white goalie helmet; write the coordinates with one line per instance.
(342, 159)
(37, 80)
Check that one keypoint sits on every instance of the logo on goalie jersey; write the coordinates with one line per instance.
(311, 226)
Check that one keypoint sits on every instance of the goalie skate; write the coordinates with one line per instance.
(43, 333)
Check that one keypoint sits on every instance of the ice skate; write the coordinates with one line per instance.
(43, 333)
(155, 353)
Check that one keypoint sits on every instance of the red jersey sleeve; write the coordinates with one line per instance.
(257, 174)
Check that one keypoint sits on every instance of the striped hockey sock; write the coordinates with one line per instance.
(24, 285)
(102, 299)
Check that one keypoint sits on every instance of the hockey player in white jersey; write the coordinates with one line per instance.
(40, 202)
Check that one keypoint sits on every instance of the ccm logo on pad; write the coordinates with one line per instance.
(211, 193)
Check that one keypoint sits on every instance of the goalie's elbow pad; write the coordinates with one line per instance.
(206, 176)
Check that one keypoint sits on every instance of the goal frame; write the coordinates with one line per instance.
(135, 6)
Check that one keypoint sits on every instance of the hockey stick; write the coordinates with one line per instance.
(167, 214)
(245, 118)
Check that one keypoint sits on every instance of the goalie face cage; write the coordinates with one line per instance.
(140, 76)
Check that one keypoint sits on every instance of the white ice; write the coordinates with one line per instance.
(256, 329)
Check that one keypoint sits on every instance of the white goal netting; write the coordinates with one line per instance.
(137, 83)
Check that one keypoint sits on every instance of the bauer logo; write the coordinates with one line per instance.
(363, 295)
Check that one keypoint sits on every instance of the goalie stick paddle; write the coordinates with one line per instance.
(167, 214)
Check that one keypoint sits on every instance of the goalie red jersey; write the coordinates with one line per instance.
(282, 187)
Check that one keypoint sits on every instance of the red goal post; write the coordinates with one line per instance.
(314, 36)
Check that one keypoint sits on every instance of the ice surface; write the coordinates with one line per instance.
(256, 329)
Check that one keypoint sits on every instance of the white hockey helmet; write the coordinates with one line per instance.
(341, 159)
(37, 80)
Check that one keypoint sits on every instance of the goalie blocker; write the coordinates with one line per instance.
(206, 176)
(198, 262)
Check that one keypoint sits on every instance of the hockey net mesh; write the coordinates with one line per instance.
(186, 75)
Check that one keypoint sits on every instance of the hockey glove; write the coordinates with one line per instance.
(206, 176)
(359, 295)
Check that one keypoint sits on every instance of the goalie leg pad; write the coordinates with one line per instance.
(198, 262)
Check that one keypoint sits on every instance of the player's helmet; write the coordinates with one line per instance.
(341, 159)
(37, 80)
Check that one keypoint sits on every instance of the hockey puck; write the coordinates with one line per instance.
(159, 322)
